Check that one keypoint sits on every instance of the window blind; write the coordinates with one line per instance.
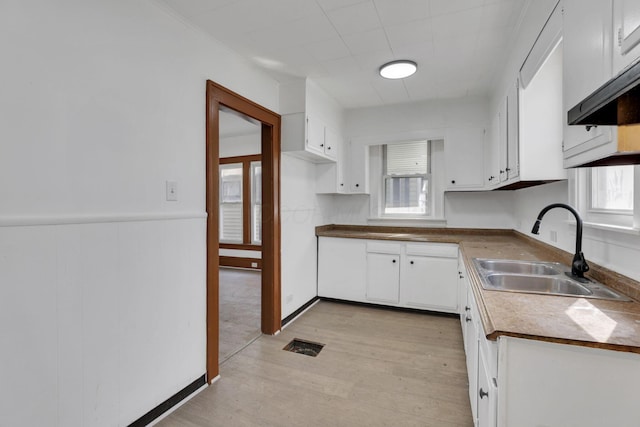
(410, 158)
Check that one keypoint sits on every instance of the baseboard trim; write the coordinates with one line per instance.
(239, 262)
(391, 307)
(299, 311)
(156, 412)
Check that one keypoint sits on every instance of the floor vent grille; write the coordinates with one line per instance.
(308, 348)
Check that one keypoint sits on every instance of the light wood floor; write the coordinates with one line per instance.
(378, 368)
(240, 305)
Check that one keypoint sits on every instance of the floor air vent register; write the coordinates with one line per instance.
(307, 348)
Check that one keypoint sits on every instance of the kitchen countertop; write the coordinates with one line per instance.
(613, 325)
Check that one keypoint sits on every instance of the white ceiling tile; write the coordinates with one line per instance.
(441, 7)
(367, 41)
(410, 33)
(391, 91)
(342, 67)
(324, 50)
(370, 62)
(355, 18)
(497, 15)
(335, 4)
(458, 23)
(391, 13)
(302, 31)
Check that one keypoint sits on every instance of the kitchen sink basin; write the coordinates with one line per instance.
(539, 277)
(536, 284)
(520, 267)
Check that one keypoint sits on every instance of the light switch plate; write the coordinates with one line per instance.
(172, 191)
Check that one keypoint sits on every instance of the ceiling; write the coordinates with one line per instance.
(459, 45)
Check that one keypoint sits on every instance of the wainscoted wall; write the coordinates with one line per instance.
(102, 296)
(100, 321)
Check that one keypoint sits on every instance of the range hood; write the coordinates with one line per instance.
(616, 103)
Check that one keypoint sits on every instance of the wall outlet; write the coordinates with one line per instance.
(254, 265)
(289, 298)
(553, 236)
(172, 191)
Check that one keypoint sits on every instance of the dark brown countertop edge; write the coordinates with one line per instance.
(609, 277)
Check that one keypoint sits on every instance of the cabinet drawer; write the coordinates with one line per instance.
(440, 250)
(384, 247)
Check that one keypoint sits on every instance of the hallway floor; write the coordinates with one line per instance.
(378, 368)
(240, 307)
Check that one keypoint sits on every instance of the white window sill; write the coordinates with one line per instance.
(609, 227)
(408, 221)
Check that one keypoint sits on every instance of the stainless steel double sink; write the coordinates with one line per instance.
(538, 277)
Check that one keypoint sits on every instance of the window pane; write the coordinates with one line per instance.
(256, 202)
(231, 203)
(406, 195)
(612, 188)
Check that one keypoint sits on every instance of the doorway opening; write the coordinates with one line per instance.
(240, 245)
(221, 99)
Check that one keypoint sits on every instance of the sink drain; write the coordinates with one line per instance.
(308, 348)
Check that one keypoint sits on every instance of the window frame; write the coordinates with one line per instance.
(247, 202)
(605, 218)
(426, 176)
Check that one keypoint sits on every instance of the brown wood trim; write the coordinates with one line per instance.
(239, 246)
(246, 203)
(241, 159)
(271, 301)
(240, 262)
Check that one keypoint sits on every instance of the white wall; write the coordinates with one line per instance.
(241, 145)
(301, 213)
(103, 281)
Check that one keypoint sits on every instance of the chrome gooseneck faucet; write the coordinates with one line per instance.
(579, 265)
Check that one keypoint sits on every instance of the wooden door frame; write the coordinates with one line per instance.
(218, 95)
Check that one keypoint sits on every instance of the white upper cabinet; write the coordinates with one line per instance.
(626, 25)
(587, 65)
(358, 173)
(464, 159)
(311, 122)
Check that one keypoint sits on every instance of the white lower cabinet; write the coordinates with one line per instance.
(383, 278)
(412, 275)
(341, 268)
(530, 383)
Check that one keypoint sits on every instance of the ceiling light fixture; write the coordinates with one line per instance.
(398, 69)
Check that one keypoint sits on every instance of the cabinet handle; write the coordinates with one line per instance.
(483, 393)
(453, 181)
(589, 127)
(394, 261)
(328, 148)
(491, 178)
(321, 145)
(357, 185)
(342, 184)
(411, 262)
(501, 171)
(508, 169)
(467, 319)
(467, 308)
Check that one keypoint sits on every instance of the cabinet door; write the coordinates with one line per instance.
(429, 282)
(512, 168)
(626, 15)
(342, 268)
(586, 66)
(464, 158)
(502, 141)
(486, 394)
(471, 346)
(383, 277)
(315, 135)
(332, 143)
(358, 168)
